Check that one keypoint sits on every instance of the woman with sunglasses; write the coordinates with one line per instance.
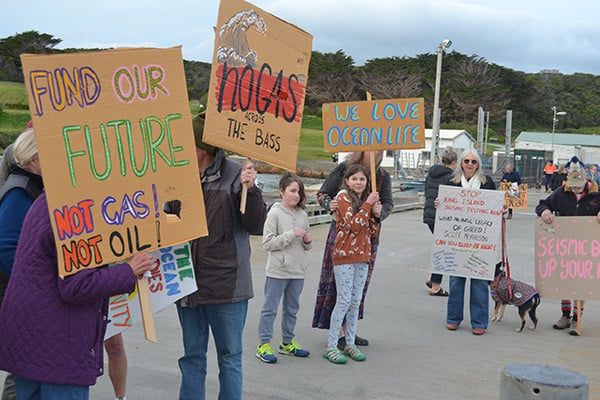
(468, 174)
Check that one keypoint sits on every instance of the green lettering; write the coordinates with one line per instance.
(71, 154)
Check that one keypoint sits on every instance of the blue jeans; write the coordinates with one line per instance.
(226, 321)
(478, 302)
(34, 390)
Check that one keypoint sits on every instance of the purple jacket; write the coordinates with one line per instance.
(52, 330)
(521, 292)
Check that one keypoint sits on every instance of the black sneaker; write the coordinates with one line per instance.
(341, 343)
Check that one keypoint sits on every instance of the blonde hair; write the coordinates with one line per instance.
(25, 148)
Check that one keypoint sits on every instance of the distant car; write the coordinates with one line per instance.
(334, 157)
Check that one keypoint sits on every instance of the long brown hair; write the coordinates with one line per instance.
(356, 200)
(286, 180)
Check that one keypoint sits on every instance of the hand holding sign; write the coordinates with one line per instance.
(140, 263)
(247, 177)
(248, 174)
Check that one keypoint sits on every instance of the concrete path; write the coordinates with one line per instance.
(411, 356)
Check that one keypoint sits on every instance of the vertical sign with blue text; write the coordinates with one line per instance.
(115, 142)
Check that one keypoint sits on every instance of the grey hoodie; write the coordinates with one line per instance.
(287, 253)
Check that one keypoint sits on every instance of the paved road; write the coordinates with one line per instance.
(411, 356)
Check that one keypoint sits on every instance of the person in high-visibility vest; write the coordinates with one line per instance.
(549, 170)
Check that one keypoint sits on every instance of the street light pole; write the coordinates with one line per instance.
(554, 121)
(435, 131)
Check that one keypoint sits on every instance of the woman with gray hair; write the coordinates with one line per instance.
(21, 181)
(468, 174)
(437, 175)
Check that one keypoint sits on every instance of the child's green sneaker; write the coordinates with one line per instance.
(293, 349)
(264, 352)
(354, 353)
(333, 354)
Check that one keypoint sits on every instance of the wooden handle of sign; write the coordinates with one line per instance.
(579, 317)
(373, 183)
(372, 157)
(243, 199)
(146, 307)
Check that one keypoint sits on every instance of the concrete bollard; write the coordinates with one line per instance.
(542, 382)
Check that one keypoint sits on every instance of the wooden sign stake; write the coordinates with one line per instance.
(244, 193)
(579, 317)
(146, 308)
(372, 159)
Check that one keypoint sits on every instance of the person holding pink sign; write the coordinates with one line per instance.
(468, 174)
(578, 197)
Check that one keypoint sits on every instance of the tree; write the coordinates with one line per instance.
(330, 79)
(197, 76)
(472, 84)
(329, 63)
(330, 88)
(395, 85)
(12, 47)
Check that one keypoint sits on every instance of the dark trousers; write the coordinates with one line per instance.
(435, 278)
(547, 179)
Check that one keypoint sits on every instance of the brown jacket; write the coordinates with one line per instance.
(353, 231)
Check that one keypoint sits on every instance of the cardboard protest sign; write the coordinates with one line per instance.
(374, 125)
(467, 238)
(172, 279)
(515, 195)
(567, 258)
(115, 142)
(258, 84)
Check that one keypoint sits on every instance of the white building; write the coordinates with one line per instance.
(459, 139)
(561, 146)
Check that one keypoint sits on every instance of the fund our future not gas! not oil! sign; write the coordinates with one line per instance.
(115, 142)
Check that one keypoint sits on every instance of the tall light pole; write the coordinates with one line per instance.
(554, 121)
(435, 131)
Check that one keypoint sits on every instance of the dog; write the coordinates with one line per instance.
(524, 296)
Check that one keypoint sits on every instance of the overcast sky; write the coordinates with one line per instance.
(525, 35)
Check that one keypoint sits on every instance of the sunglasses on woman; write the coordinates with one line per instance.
(467, 161)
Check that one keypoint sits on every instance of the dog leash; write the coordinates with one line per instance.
(505, 258)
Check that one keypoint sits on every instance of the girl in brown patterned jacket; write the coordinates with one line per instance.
(356, 224)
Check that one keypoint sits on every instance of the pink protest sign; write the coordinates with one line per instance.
(567, 262)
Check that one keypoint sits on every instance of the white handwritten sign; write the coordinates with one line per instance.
(172, 279)
(467, 235)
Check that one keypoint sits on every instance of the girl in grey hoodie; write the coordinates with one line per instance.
(287, 238)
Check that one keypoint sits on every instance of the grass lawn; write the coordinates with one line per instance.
(13, 95)
(311, 145)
